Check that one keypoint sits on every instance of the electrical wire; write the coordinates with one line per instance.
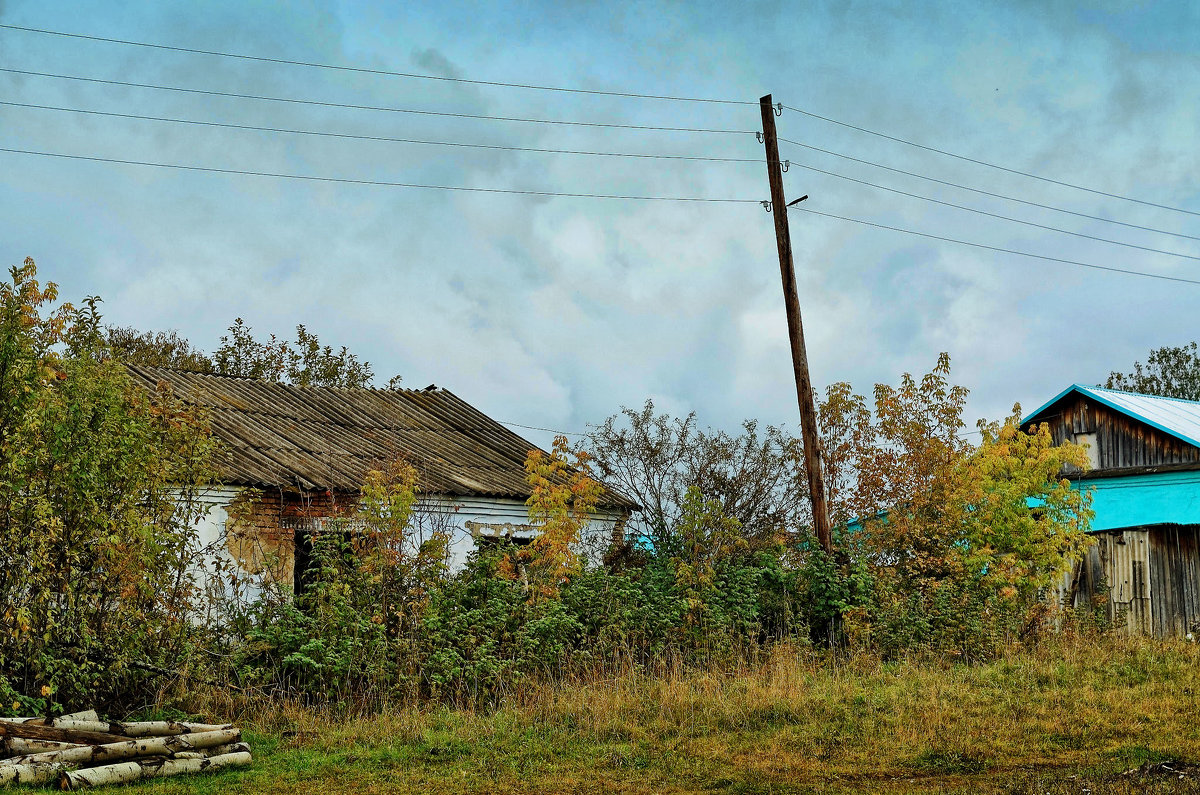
(547, 430)
(366, 70)
(320, 133)
(986, 192)
(998, 248)
(384, 108)
(381, 183)
(325, 134)
(991, 214)
(992, 165)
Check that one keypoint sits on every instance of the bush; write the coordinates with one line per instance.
(99, 488)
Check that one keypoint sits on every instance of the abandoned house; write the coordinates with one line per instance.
(296, 457)
(1144, 452)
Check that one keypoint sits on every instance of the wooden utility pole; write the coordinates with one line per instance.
(804, 391)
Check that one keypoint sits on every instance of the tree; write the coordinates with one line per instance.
(99, 491)
(304, 362)
(960, 543)
(156, 349)
(1170, 372)
(756, 479)
(563, 500)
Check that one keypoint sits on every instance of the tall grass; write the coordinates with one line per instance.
(1090, 707)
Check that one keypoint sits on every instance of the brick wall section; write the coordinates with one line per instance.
(254, 532)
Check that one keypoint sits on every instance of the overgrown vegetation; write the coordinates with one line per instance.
(99, 490)
(944, 550)
(1079, 714)
(304, 362)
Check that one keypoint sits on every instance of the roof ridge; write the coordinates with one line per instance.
(1140, 394)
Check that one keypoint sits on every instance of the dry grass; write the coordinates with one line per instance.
(1067, 718)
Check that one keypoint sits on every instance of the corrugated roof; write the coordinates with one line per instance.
(1175, 416)
(328, 438)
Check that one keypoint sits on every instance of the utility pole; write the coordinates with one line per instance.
(804, 391)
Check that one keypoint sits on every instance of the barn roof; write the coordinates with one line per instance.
(1175, 416)
(297, 437)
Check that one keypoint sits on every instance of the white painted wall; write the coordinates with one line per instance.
(464, 519)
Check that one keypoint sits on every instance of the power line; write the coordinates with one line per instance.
(547, 430)
(993, 165)
(384, 72)
(381, 183)
(326, 134)
(990, 214)
(384, 108)
(983, 192)
(998, 248)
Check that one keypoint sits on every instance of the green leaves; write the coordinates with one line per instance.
(1168, 371)
(99, 489)
(960, 543)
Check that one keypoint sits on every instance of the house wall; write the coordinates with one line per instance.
(1116, 441)
(1150, 576)
(254, 530)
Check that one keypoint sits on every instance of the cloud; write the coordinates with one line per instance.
(434, 61)
(556, 310)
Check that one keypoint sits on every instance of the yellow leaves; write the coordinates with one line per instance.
(563, 499)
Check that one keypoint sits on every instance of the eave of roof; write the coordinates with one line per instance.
(1104, 395)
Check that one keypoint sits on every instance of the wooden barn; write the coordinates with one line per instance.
(1145, 481)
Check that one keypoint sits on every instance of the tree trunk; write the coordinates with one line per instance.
(126, 749)
(29, 774)
(150, 728)
(231, 748)
(31, 731)
(87, 714)
(19, 745)
(133, 771)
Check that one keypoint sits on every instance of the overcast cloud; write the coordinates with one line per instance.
(556, 311)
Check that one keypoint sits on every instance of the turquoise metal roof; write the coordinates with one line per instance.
(1179, 418)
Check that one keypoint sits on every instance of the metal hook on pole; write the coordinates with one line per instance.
(758, 135)
(778, 108)
(786, 164)
(766, 205)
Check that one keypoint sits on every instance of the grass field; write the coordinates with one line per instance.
(1071, 717)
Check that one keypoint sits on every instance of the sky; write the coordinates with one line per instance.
(555, 311)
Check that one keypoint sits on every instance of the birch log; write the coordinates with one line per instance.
(80, 725)
(29, 774)
(132, 771)
(149, 728)
(127, 749)
(87, 714)
(163, 728)
(231, 748)
(20, 745)
(32, 731)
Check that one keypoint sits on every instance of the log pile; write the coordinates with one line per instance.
(80, 750)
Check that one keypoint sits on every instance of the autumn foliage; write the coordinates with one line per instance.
(564, 498)
(99, 485)
(958, 545)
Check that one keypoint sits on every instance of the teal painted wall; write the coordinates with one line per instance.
(1138, 500)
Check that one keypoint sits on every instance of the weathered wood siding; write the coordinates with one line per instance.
(1151, 578)
(1119, 441)
(1174, 580)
